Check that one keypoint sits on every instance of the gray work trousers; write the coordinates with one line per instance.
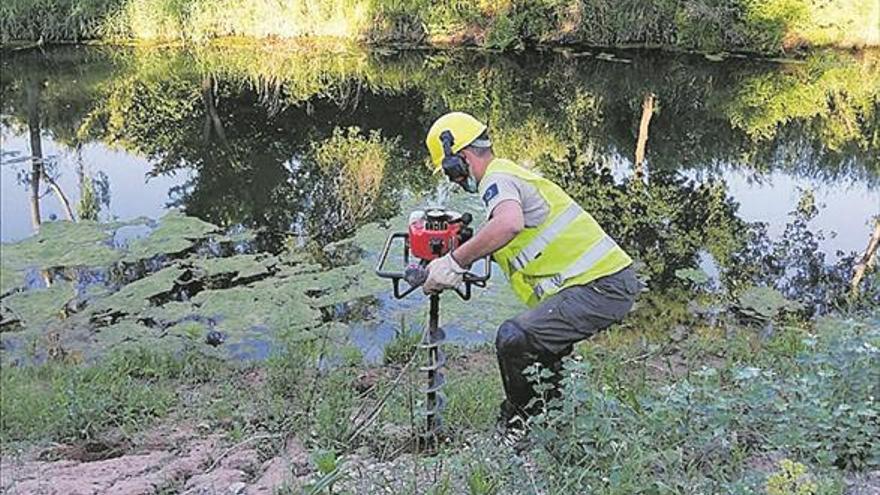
(547, 332)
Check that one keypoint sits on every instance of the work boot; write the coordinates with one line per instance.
(512, 426)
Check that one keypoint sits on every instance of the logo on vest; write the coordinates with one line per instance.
(490, 193)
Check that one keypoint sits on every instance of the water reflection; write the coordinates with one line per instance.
(288, 141)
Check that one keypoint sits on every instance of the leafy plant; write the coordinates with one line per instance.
(791, 479)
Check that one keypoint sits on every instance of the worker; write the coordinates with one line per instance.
(572, 275)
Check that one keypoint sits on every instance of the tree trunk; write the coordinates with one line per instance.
(62, 198)
(33, 102)
(867, 259)
(208, 99)
(641, 144)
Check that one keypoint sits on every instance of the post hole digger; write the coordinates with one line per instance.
(431, 234)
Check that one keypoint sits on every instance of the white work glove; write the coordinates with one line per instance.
(443, 273)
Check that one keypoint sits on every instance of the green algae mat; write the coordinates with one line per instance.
(78, 290)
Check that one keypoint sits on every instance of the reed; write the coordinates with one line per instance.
(762, 26)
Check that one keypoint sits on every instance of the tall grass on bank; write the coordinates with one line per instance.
(766, 26)
(68, 402)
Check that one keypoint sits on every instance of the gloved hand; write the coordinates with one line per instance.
(443, 273)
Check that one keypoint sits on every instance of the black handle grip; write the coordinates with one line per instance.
(415, 275)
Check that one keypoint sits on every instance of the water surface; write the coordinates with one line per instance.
(750, 170)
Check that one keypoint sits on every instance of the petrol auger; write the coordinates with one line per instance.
(431, 234)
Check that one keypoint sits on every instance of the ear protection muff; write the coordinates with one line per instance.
(453, 164)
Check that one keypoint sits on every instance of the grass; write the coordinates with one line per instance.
(70, 402)
(690, 413)
(726, 25)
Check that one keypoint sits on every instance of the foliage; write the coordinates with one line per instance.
(763, 303)
(791, 479)
(355, 167)
(66, 401)
(712, 25)
(402, 347)
(819, 406)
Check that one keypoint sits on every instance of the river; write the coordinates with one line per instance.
(776, 162)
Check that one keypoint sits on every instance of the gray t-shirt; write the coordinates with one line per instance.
(500, 187)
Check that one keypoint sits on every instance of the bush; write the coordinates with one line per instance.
(711, 25)
(697, 432)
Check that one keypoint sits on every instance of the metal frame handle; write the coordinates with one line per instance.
(470, 278)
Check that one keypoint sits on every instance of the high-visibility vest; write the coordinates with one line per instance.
(567, 248)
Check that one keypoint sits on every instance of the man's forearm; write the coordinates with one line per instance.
(493, 236)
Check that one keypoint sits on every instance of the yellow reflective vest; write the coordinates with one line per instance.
(568, 248)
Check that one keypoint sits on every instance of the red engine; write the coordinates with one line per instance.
(433, 233)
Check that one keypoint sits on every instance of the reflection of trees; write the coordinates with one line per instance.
(666, 224)
(38, 162)
(255, 163)
(249, 125)
(33, 119)
(796, 266)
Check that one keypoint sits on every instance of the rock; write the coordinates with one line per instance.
(217, 481)
(214, 338)
(282, 470)
(276, 474)
(244, 460)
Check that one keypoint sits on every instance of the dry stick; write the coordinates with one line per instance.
(375, 412)
(867, 259)
(239, 444)
(647, 111)
(62, 198)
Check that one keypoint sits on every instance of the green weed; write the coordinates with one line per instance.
(710, 25)
(697, 431)
(404, 345)
(61, 401)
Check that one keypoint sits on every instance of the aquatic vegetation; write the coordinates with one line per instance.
(763, 304)
(174, 234)
(57, 244)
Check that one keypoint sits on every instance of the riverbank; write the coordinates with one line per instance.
(774, 27)
(727, 410)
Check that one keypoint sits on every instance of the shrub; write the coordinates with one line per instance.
(697, 432)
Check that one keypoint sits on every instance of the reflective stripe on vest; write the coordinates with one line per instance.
(582, 264)
(536, 247)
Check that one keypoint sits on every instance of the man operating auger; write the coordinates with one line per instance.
(574, 278)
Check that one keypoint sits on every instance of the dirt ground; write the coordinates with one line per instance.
(176, 461)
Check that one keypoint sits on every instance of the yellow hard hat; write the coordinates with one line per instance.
(464, 128)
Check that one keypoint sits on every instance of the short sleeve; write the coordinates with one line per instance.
(498, 188)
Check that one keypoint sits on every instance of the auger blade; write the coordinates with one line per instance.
(437, 382)
(433, 339)
(439, 406)
(439, 363)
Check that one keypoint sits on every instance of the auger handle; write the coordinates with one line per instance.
(396, 277)
(415, 276)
